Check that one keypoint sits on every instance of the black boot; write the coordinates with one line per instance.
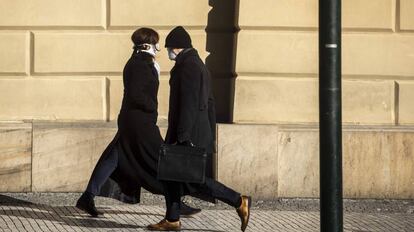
(87, 204)
(187, 211)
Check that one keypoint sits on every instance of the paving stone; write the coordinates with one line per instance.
(136, 217)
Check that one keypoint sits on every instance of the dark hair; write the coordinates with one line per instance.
(145, 35)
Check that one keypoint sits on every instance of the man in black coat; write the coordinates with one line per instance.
(192, 115)
(191, 122)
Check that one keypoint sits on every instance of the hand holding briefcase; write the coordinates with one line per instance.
(182, 163)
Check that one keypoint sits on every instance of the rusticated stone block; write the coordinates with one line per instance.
(15, 157)
(357, 14)
(406, 106)
(44, 13)
(247, 158)
(13, 50)
(64, 155)
(377, 162)
(406, 15)
(52, 99)
(191, 13)
(295, 100)
(90, 52)
(297, 53)
(298, 163)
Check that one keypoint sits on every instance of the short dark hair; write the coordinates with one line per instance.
(145, 35)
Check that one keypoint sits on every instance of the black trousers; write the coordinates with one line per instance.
(211, 188)
(102, 172)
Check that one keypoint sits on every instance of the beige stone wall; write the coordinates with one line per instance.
(277, 62)
(15, 157)
(283, 161)
(63, 60)
(266, 161)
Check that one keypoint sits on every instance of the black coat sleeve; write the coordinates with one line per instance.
(189, 92)
(134, 85)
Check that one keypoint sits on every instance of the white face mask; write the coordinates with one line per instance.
(171, 54)
(152, 49)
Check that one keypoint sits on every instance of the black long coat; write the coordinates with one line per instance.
(138, 139)
(191, 107)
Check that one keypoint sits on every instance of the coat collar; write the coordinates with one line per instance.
(147, 59)
(143, 56)
(185, 54)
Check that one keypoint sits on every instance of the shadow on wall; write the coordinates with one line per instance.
(222, 29)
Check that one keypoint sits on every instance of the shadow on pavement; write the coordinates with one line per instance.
(6, 200)
(71, 216)
(53, 214)
(113, 211)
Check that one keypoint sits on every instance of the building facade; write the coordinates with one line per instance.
(61, 87)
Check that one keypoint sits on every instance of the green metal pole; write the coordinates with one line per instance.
(330, 116)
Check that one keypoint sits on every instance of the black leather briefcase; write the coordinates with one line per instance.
(182, 164)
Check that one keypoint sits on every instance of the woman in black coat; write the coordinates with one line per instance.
(130, 160)
(191, 122)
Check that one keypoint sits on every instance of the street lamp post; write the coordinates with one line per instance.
(330, 116)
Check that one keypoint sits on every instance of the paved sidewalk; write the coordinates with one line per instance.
(32, 217)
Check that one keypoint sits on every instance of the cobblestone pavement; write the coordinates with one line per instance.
(34, 217)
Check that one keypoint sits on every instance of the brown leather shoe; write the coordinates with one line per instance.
(244, 211)
(165, 225)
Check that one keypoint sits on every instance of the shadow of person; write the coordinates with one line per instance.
(71, 216)
(7, 200)
(222, 31)
(63, 215)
